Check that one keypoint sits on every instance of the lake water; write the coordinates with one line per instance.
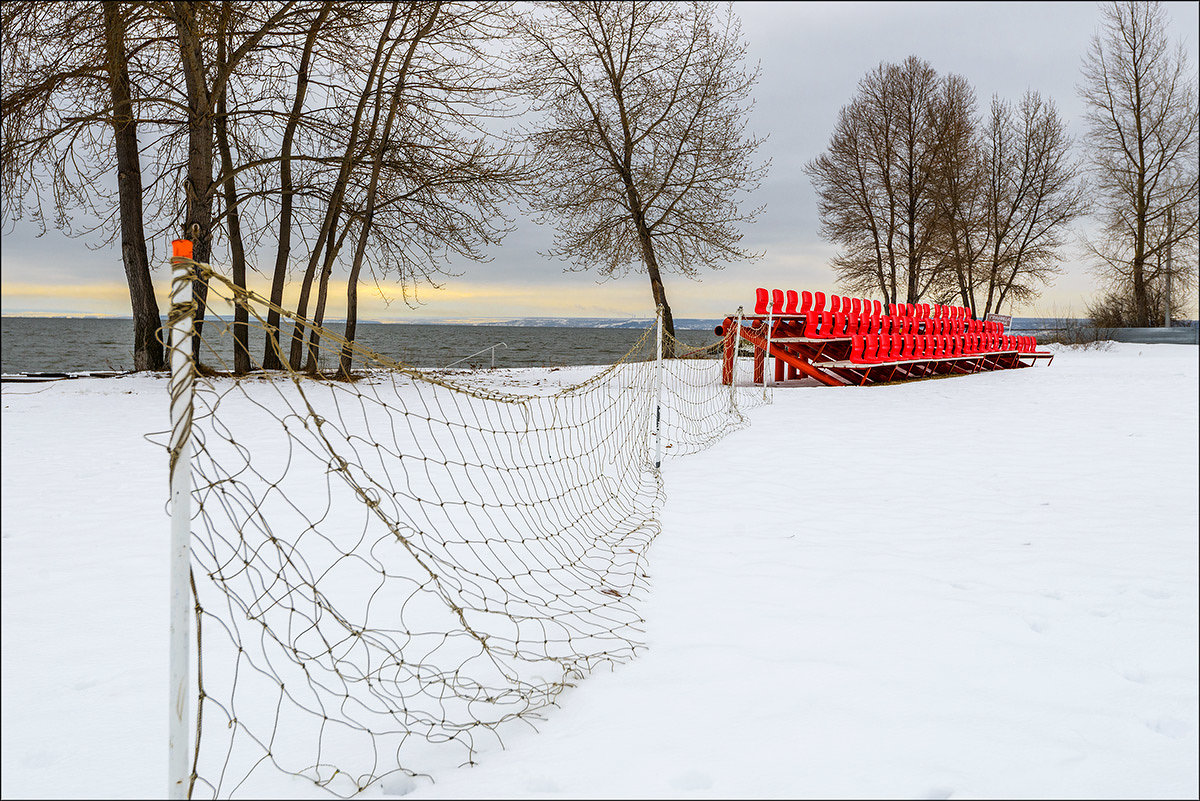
(68, 344)
(73, 344)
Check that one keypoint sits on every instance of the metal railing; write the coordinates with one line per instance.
(492, 348)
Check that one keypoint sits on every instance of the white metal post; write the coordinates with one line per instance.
(658, 446)
(181, 387)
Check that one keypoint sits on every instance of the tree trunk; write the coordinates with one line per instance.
(197, 222)
(312, 365)
(378, 66)
(1141, 298)
(656, 284)
(660, 301)
(241, 315)
(347, 359)
(147, 347)
(272, 355)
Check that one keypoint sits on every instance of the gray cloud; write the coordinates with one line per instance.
(812, 57)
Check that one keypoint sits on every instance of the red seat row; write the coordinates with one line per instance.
(848, 317)
(877, 349)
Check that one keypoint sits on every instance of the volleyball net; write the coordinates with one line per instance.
(391, 565)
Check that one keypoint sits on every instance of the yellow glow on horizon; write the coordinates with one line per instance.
(717, 295)
(460, 300)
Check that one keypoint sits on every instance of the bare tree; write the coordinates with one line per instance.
(287, 187)
(1142, 143)
(960, 185)
(876, 181)
(200, 27)
(407, 169)
(261, 149)
(1007, 194)
(643, 140)
(70, 112)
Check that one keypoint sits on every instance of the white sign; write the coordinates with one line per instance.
(1003, 319)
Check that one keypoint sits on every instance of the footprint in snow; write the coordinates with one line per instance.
(1169, 727)
(1136, 675)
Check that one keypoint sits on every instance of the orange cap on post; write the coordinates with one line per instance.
(181, 248)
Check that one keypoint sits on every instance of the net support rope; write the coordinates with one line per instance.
(389, 566)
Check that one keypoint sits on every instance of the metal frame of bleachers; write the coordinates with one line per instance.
(859, 342)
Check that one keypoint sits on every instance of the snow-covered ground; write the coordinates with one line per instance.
(975, 587)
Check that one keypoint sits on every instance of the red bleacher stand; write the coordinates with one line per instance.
(850, 340)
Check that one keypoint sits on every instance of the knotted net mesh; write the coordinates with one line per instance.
(390, 566)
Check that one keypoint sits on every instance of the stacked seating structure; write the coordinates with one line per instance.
(841, 341)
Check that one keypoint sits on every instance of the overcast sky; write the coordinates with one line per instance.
(812, 57)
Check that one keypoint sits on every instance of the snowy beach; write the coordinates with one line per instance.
(982, 586)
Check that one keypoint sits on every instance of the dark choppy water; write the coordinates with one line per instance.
(67, 344)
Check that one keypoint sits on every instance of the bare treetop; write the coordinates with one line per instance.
(1140, 94)
(643, 142)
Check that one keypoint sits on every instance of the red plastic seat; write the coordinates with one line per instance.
(883, 348)
(818, 302)
(789, 307)
(761, 296)
(856, 349)
(826, 324)
(884, 354)
(811, 321)
(870, 349)
(806, 300)
(839, 324)
(776, 301)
